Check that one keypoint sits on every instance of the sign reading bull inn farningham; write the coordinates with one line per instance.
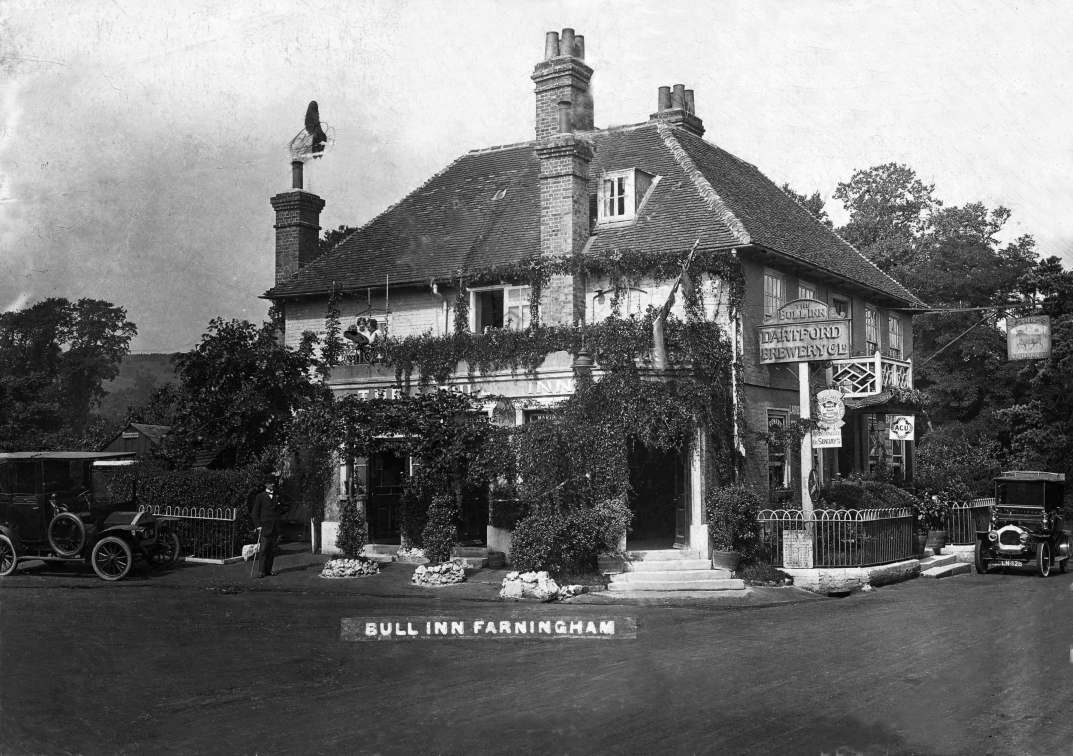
(802, 331)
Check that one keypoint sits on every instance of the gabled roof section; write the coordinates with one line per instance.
(776, 221)
(484, 209)
(153, 432)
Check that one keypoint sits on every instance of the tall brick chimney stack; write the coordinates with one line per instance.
(562, 77)
(297, 226)
(676, 107)
(563, 106)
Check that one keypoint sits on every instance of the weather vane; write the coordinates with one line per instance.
(311, 142)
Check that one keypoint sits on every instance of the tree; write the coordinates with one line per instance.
(332, 237)
(814, 204)
(54, 358)
(890, 209)
(239, 388)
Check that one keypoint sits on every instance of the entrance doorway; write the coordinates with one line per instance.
(657, 499)
(387, 475)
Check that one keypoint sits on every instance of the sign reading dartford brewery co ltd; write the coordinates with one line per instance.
(802, 331)
(1028, 338)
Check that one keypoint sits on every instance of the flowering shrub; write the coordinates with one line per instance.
(866, 494)
(930, 513)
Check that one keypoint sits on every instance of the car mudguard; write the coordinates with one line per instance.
(15, 540)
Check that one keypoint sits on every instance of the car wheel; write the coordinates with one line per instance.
(167, 552)
(112, 558)
(1043, 559)
(9, 560)
(67, 534)
(981, 563)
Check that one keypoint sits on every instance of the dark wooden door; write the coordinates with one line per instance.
(27, 513)
(681, 502)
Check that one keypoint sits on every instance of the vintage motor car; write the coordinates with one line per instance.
(52, 509)
(1026, 524)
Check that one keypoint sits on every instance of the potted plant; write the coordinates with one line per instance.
(732, 524)
(930, 515)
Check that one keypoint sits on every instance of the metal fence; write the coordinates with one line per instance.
(965, 519)
(206, 533)
(841, 538)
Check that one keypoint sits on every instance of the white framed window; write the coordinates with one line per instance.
(778, 460)
(774, 293)
(894, 346)
(871, 330)
(499, 307)
(806, 290)
(622, 193)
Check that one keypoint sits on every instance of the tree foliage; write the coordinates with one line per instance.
(54, 358)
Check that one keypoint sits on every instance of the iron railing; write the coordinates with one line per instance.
(841, 538)
(206, 533)
(964, 520)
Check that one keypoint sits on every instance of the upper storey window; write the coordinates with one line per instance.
(499, 307)
(871, 330)
(774, 293)
(894, 338)
(806, 290)
(621, 195)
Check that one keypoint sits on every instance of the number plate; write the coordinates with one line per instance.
(1007, 563)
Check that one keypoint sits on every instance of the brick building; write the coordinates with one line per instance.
(576, 188)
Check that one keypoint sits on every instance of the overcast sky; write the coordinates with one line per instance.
(140, 141)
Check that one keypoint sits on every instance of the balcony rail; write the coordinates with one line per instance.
(841, 538)
(206, 533)
(362, 354)
(867, 376)
(964, 520)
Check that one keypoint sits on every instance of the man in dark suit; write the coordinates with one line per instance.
(265, 516)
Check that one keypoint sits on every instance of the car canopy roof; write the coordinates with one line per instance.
(1032, 475)
(66, 455)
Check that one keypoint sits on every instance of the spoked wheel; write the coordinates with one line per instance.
(67, 534)
(9, 560)
(112, 558)
(167, 551)
(1043, 559)
(981, 563)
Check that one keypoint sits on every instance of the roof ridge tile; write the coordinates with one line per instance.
(706, 190)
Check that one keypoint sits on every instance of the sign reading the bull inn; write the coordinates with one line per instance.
(802, 331)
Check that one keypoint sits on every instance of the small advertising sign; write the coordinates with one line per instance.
(1028, 338)
(797, 549)
(830, 410)
(804, 330)
(901, 428)
(130, 434)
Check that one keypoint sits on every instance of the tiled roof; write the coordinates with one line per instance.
(484, 209)
(153, 432)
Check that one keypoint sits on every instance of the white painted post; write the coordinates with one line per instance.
(805, 400)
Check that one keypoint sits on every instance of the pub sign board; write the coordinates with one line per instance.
(1028, 338)
(804, 330)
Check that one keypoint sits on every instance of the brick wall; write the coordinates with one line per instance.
(562, 79)
(297, 231)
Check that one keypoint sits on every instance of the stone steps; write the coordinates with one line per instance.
(947, 570)
(937, 561)
(668, 565)
(719, 584)
(670, 576)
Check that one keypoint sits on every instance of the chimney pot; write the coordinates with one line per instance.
(579, 46)
(664, 98)
(551, 45)
(690, 104)
(678, 96)
(296, 174)
(566, 43)
(566, 125)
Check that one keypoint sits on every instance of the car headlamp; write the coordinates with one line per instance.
(992, 536)
(1024, 537)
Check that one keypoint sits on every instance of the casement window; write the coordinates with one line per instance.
(621, 194)
(499, 307)
(774, 293)
(806, 290)
(871, 331)
(895, 337)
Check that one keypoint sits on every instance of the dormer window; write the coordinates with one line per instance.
(621, 195)
(499, 307)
